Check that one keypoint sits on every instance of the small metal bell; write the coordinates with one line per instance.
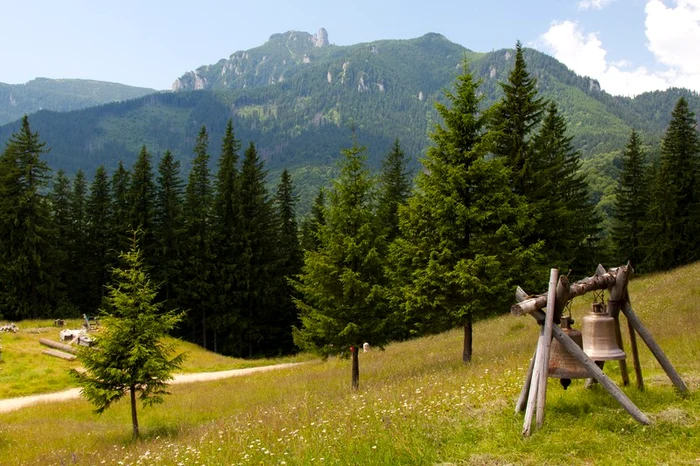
(599, 341)
(562, 365)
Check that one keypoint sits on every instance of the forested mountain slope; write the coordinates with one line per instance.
(299, 98)
(61, 95)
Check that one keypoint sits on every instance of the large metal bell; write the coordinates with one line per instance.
(562, 365)
(599, 341)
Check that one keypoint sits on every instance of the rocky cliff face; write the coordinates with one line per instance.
(267, 64)
(321, 38)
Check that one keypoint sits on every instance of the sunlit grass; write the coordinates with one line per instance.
(418, 404)
(24, 370)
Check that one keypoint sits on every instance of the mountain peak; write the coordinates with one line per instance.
(320, 39)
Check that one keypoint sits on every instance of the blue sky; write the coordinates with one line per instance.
(630, 46)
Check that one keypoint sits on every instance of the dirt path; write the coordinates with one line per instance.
(13, 404)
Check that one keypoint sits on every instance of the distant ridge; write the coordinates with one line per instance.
(298, 95)
(61, 95)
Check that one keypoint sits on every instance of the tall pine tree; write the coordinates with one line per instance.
(394, 188)
(77, 283)
(226, 231)
(61, 215)
(680, 157)
(291, 259)
(99, 213)
(168, 226)
(631, 204)
(460, 232)
(513, 121)
(28, 281)
(257, 281)
(142, 199)
(121, 209)
(196, 286)
(560, 199)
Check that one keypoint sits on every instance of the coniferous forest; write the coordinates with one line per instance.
(386, 255)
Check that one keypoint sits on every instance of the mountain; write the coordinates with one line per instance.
(60, 95)
(299, 98)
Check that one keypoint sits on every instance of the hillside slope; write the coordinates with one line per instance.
(299, 98)
(417, 404)
(60, 95)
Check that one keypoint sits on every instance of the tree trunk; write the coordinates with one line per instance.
(355, 368)
(467, 350)
(134, 418)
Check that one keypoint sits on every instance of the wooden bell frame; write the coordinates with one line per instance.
(533, 395)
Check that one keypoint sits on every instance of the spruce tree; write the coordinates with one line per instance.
(459, 244)
(226, 229)
(290, 259)
(61, 215)
(658, 235)
(197, 285)
(142, 199)
(77, 282)
(257, 281)
(513, 121)
(394, 188)
(680, 157)
(129, 354)
(28, 281)
(342, 303)
(168, 226)
(99, 214)
(560, 199)
(121, 210)
(632, 203)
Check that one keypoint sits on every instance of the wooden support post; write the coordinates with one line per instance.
(618, 295)
(596, 373)
(548, 323)
(635, 356)
(618, 337)
(522, 399)
(520, 296)
(532, 395)
(654, 347)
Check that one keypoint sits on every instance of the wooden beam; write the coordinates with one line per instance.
(59, 354)
(548, 323)
(521, 295)
(654, 347)
(57, 345)
(596, 282)
(532, 395)
(525, 391)
(635, 356)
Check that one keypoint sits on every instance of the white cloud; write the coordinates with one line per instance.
(595, 4)
(673, 35)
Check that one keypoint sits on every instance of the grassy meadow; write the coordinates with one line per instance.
(417, 404)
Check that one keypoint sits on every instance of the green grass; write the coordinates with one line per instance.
(24, 370)
(418, 404)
